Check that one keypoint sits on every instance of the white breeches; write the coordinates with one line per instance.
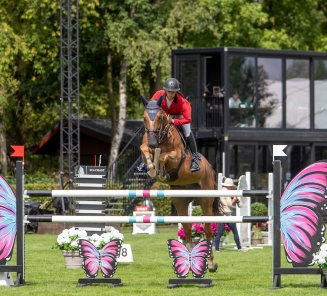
(186, 127)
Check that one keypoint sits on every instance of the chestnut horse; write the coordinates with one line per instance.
(174, 168)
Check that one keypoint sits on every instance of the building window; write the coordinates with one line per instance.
(188, 77)
(269, 82)
(320, 153)
(320, 91)
(241, 90)
(265, 165)
(297, 94)
(298, 158)
(242, 160)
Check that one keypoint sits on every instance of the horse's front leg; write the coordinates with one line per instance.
(188, 235)
(147, 155)
(212, 265)
(164, 157)
(206, 205)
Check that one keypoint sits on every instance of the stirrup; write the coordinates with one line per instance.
(194, 166)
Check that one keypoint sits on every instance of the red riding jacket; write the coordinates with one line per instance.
(179, 106)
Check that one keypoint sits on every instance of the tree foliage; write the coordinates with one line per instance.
(141, 32)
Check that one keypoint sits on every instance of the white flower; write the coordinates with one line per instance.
(106, 237)
(120, 236)
(323, 254)
(64, 235)
(82, 233)
(323, 247)
(96, 243)
(72, 231)
(96, 237)
(74, 244)
(66, 240)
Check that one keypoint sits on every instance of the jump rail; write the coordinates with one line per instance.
(149, 219)
(147, 193)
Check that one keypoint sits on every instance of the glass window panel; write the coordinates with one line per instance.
(269, 84)
(265, 165)
(241, 87)
(242, 161)
(320, 153)
(320, 96)
(297, 94)
(188, 71)
(298, 158)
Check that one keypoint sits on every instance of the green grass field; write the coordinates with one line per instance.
(238, 273)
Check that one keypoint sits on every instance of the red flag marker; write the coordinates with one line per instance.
(18, 151)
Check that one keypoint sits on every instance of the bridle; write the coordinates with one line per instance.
(162, 132)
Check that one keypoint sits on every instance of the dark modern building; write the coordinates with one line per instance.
(245, 100)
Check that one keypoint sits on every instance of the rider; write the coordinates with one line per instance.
(175, 104)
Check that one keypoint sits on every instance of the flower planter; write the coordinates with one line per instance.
(265, 237)
(256, 241)
(324, 272)
(72, 259)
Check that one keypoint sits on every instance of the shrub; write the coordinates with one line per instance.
(258, 209)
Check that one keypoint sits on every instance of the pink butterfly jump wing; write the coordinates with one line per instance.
(104, 259)
(8, 224)
(185, 260)
(302, 227)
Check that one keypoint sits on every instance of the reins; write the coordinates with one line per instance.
(162, 132)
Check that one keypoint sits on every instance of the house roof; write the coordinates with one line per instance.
(94, 133)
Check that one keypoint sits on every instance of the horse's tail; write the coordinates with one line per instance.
(217, 209)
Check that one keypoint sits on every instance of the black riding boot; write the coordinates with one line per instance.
(195, 166)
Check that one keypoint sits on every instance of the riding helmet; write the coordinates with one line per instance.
(171, 84)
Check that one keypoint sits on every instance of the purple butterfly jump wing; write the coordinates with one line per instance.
(8, 224)
(302, 227)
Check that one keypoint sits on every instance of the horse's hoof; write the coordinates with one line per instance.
(152, 174)
(214, 267)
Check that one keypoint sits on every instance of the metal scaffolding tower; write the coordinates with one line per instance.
(69, 58)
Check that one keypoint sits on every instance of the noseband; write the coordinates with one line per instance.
(152, 110)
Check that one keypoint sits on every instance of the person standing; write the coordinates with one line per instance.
(227, 203)
(175, 104)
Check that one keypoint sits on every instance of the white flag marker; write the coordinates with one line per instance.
(278, 150)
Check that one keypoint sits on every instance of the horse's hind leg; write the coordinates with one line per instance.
(208, 182)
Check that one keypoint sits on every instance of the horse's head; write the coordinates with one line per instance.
(155, 120)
